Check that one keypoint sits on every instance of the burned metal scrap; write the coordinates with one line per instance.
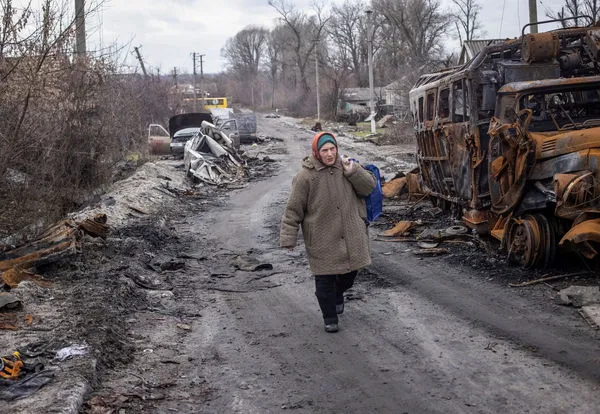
(211, 157)
(59, 241)
(513, 139)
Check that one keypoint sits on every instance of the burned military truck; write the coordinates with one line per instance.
(511, 140)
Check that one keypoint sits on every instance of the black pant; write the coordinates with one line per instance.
(330, 292)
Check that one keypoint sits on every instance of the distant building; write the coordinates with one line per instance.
(357, 100)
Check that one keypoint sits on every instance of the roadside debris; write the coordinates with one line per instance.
(431, 251)
(409, 184)
(70, 351)
(59, 241)
(207, 160)
(591, 314)
(545, 279)
(19, 379)
(250, 264)
(399, 229)
(579, 296)
(23, 388)
(10, 366)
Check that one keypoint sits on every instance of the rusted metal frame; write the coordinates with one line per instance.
(431, 166)
(31, 259)
(472, 140)
(65, 230)
(442, 164)
(441, 137)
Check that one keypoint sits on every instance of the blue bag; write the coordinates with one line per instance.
(375, 199)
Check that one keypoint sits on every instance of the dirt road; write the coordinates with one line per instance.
(203, 313)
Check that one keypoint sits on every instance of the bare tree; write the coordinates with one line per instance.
(466, 18)
(305, 31)
(574, 8)
(244, 52)
(246, 49)
(422, 26)
(347, 32)
(273, 57)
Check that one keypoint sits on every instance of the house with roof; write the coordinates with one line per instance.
(357, 100)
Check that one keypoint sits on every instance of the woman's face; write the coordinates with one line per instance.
(328, 154)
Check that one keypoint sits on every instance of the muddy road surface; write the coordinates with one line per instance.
(191, 307)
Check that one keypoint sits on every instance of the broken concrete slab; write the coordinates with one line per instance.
(579, 296)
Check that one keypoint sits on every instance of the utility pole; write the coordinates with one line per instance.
(195, 56)
(533, 16)
(80, 48)
(194, 79)
(370, 62)
(139, 57)
(317, 80)
(202, 77)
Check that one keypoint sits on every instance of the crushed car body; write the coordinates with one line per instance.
(511, 140)
(211, 157)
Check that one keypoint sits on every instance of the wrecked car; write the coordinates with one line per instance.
(239, 125)
(211, 157)
(180, 138)
(184, 127)
(159, 139)
(510, 141)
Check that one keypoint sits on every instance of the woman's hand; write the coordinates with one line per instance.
(350, 165)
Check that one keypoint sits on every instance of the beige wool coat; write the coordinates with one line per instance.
(327, 202)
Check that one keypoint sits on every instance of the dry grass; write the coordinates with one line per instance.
(63, 129)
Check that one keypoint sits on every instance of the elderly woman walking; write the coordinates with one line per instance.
(327, 201)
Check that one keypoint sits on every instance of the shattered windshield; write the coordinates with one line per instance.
(558, 110)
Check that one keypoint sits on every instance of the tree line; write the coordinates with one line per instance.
(276, 67)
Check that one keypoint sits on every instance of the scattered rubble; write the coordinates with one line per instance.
(61, 240)
(579, 296)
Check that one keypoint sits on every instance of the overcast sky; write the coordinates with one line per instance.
(168, 31)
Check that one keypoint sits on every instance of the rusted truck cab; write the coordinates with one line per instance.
(511, 142)
(544, 167)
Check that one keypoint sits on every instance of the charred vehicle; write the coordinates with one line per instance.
(184, 127)
(511, 141)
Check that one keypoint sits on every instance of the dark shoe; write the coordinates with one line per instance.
(331, 327)
(339, 309)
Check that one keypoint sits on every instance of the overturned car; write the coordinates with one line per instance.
(511, 141)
